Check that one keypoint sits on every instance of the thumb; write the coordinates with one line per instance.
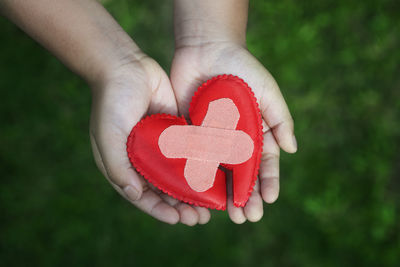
(276, 115)
(118, 172)
(162, 99)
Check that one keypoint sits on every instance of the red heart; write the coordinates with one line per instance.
(167, 174)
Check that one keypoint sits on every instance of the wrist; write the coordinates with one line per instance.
(197, 33)
(200, 22)
(106, 63)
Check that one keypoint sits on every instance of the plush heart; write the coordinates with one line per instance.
(183, 160)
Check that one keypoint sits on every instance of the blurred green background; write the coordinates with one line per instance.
(338, 65)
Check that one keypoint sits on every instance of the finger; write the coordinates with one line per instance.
(269, 169)
(235, 213)
(254, 206)
(152, 204)
(126, 181)
(149, 201)
(163, 98)
(188, 215)
(276, 114)
(204, 215)
(168, 199)
(117, 169)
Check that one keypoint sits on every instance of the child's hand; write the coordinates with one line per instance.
(194, 64)
(210, 39)
(128, 93)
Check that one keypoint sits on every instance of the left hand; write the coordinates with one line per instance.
(136, 87)
(194, 64)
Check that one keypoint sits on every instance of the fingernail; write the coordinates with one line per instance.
(295, 142)
(131, 192)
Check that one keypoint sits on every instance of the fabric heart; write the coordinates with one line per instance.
(183, 160)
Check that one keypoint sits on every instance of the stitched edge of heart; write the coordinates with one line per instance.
(237, 79)
(147, 177)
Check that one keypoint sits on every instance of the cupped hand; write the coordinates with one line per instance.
(194, 64)
(134, 88)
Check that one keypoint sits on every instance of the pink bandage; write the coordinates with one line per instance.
(205, 147)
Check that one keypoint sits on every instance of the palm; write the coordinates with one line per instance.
(128, 95)
(194, 65)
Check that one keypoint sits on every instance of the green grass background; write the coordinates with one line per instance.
(337, 63)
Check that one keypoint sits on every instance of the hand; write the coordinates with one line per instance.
(135, 88)
(194, 64)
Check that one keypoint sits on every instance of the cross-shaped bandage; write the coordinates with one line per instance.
(205, 147)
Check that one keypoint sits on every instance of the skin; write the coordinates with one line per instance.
(127, 85)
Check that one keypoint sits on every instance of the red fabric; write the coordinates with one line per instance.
(207, 146)
(167, 174)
